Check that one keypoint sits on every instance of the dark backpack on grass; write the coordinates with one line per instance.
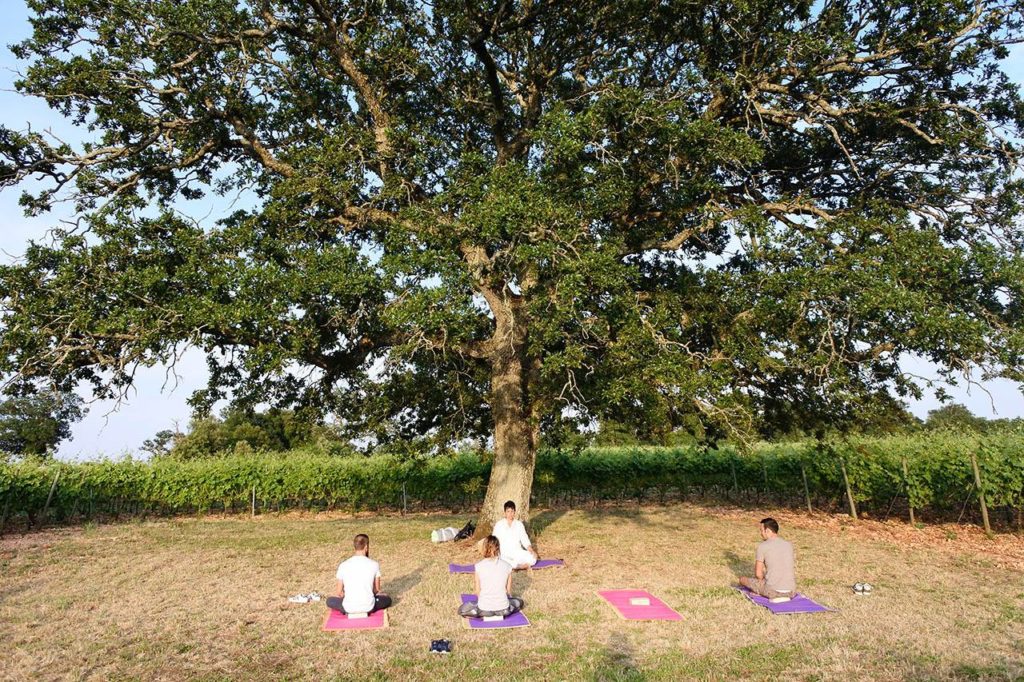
(466, 532)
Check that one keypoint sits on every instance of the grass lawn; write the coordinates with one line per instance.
(206, 599)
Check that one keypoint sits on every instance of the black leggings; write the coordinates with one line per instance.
(380, 601)
(471, 610)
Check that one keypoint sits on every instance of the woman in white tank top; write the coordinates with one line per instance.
(493, 578)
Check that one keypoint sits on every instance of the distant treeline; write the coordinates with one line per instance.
(244, 432)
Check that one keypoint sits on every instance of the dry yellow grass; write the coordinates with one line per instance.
(207, 600)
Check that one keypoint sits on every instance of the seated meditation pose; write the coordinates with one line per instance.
(515, 545)
(493, 577)
(359, 582)
(774, 565)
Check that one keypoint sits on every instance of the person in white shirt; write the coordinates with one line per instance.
(359, 582)
(493, 577)
(515, 544)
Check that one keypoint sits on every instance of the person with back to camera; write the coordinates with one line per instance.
(359, 582)
(493, 576)
(515, 543)
(774, 565)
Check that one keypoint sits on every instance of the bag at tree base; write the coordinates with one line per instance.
(466, 532)
(443, 534)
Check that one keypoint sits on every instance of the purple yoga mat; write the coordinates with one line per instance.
(798, 604)
(516, 620)
(543, 563)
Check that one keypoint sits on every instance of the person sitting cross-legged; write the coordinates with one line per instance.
(774, 565)
(359, 582)
(516, 548)
(493, 577)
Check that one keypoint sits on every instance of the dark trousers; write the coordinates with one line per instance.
(471, 610)
(381, 601)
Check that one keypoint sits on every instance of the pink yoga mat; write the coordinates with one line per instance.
(543, 563)
(516, 620)
(798, 604)
(336, 620)
(656, 610)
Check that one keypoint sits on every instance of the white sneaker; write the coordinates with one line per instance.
(299, 599)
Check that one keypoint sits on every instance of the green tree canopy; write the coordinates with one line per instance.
(34, 423)
(273, 430)
(498, 217)
(955, 417)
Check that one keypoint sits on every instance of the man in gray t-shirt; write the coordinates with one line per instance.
(774, 565)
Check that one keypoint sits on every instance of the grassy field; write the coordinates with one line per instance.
(207, 600)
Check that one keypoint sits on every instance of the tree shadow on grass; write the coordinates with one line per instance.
(638, 516)
(736, 563)
(618, 660)
(521, 581)
(399, 586)
(540, 522)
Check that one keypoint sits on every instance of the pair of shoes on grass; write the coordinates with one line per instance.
(305, 598)
(862, 588)
(440, 646)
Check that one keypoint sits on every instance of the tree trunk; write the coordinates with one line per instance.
(516, 432)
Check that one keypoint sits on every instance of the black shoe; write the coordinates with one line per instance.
(440, 646)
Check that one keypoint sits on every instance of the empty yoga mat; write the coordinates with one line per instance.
(798, 604)
(621, 600)
(543, 563)
(516, 620)
(336, 620)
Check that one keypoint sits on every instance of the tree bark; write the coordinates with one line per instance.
(516, 432)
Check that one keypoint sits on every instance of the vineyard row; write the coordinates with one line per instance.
(933, 476)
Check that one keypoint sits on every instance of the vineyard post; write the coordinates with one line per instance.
(3, 517)
(849, 492)
(906, 485)
(967, 500)
(807, 490)
(49, 498)
(981, 492)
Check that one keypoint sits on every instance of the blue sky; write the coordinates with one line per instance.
(159, 399)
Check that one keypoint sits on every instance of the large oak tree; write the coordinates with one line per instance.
(505, 217)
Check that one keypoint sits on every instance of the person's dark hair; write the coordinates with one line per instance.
(361, 542)
(510, 505)
(492, 547)
(771, 524)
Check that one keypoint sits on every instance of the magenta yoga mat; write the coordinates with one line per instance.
(543, 563)
(798, 604)
(516, 620)
(622, 602)
(336, 620)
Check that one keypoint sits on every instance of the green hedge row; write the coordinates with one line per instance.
(939, 478)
